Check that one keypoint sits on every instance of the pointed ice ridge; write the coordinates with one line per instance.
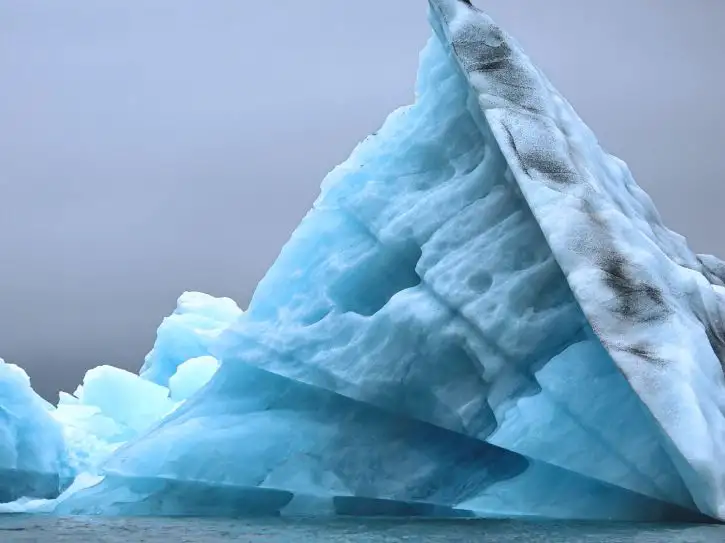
(648, 297)
(421, 287)
(421, 283)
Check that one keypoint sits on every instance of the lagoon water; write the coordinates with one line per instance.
(26, 529)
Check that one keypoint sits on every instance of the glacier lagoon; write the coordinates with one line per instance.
(481, 316)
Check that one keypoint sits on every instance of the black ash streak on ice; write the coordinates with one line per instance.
(652, 300)
(636, 301)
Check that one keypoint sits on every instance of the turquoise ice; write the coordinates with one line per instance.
(32, 449)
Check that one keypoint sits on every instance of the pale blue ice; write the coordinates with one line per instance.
(189, 332)
(32, 449)
(417, 347)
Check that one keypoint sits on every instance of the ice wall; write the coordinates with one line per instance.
(651, 301)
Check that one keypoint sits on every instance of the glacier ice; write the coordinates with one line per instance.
(44, 448)
(114, 406)
(189, 332)
(32, 449)
(482, 315)
(111, 407)
(192, 375)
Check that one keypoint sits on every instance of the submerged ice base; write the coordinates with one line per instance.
(276, 445)
(482, 315)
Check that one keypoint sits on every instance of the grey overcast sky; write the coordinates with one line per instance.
(157, 146)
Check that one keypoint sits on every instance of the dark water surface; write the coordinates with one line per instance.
(22, 529)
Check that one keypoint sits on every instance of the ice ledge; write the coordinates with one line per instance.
(652, 302)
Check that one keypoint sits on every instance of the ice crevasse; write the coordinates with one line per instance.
(482, 315)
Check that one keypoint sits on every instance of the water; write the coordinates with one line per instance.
(27, 529)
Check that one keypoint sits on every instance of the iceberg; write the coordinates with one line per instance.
(482, 315)
(32, 449)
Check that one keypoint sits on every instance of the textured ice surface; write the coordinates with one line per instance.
(481, 315)
(649, 299)
(43, 447)
(32, 450)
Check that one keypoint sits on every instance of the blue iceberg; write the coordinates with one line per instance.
(482, 315)
(32, 449)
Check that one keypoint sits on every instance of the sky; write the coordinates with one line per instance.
(148, 148)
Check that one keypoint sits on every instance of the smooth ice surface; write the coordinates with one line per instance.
(192, 375)
(271, 444)
(32, 450)
(187, 333)
(481, 315)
